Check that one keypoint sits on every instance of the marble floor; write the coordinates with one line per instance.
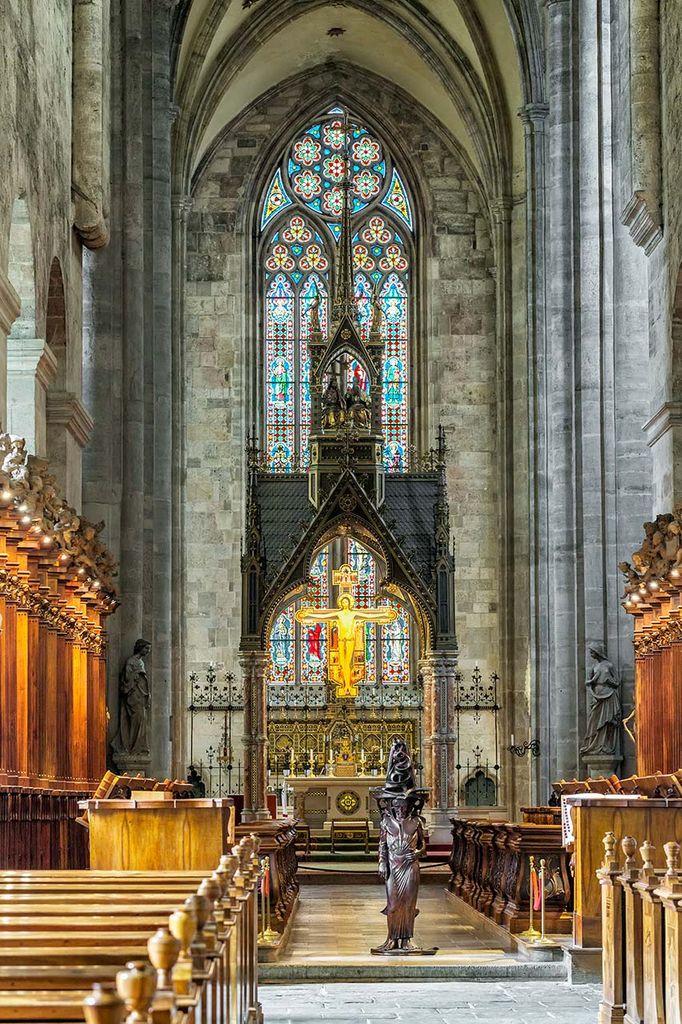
(453, 1002)
(336, 925)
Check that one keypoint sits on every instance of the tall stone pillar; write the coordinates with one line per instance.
(254, 665)
(564, 638)
(534, 117)
(181, 206)
(31, 369)
(438, 670)
(129, 362)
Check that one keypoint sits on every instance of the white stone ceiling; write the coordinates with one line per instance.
(457, 58)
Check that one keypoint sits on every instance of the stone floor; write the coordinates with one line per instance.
(453, 1002)
(336, 925)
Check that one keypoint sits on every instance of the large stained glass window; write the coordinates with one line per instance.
(298, 653)
(300, 226)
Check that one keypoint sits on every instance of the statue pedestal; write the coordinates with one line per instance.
(603, 764)
(131, 764)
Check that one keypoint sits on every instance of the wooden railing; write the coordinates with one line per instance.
(63, 931)
(641, 934)
(489, 864)
(278, 844)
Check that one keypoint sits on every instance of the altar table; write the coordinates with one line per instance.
(321, 799)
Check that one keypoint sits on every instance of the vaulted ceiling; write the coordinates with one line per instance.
(470, 63)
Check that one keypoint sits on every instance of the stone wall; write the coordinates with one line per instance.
(35, 205)
(458, 371)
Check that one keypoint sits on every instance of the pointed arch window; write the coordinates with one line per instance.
(300, 226)
(298, 654)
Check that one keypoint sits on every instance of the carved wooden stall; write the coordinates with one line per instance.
(653, 596)
(55, 593)
(490, 871)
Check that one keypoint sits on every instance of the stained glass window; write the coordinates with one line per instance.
(300, 226)
(298, 653)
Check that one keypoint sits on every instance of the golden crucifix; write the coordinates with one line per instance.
(346, 658)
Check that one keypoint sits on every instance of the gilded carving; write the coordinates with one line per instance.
(658, 559)
(29, 489)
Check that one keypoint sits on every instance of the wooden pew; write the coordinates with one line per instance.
(63, 903)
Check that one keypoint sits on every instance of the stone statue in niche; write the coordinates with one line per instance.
(135, 701)
(601, 748)
(401, 844)
(332, 405)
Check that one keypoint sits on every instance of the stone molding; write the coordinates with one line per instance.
(645, 228)
(64, 409)
(534, 114)
(32, 356)
(668, 416)
(10, 303)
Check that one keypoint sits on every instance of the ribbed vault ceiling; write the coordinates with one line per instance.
(464, 61)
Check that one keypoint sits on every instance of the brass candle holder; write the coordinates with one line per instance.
(531, 932)
(543, 940)
(268, 936)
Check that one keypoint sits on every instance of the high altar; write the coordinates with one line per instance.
(342, 792)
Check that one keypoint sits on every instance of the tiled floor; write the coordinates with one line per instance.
(337, 924)
(453, 1002)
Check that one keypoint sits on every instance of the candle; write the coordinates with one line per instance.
(512, 742)
(310, 756)
(381, 754)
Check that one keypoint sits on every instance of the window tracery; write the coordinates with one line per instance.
(300, 225)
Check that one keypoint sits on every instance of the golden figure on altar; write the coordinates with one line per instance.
(346, 659)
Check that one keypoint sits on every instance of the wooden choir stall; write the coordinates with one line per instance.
(56, 591)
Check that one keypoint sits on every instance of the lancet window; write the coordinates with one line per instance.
(298, 653)
(300, 224)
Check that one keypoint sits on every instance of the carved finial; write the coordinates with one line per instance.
(609, 862)
(163, 949)
(183, 925)
(136, 986)
(672, 858)
(103, 1005)
(629, 847)
(647, 851)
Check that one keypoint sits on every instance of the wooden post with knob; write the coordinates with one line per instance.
(612, 1005)
(632, 915)
(653, 995)
(670, 894)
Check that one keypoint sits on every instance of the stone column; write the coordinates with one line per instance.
(564, 639)
(534, 118)
(254, 664)
(438, 669)
(31, 369)
(159, 390)
(10, 305)
(90, 162)
(181, 206)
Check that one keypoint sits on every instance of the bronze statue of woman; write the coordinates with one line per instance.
(401, 844)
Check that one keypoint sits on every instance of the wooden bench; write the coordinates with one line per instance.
(354, 828)
(74, 928)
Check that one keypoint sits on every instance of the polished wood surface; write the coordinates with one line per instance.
(129, 835)
(47, 962)
(658, 674)
(655, 819)
(52, 667)
(489, 864)
(278, 843)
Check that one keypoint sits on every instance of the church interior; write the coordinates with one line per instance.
(340, 531)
